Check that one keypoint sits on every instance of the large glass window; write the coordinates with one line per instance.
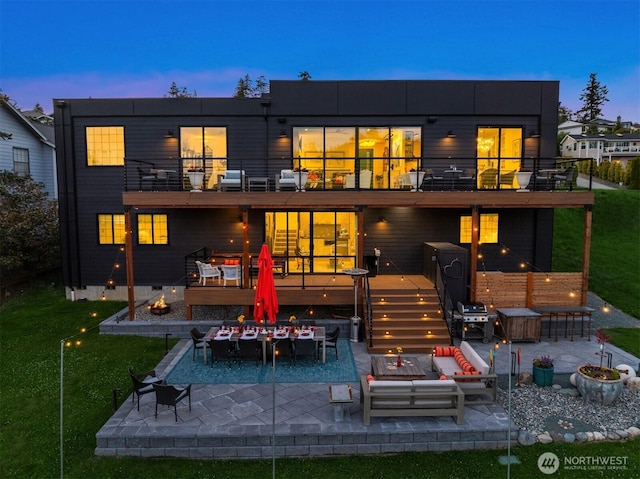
(488, 228)
(332, 155)
(152, 229)
(111, 229)
(105, 145)
(319, 242)
(21, 161)
(204, 147)
(499, 152)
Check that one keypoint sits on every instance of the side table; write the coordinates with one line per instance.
(259, 183)
(340, 397)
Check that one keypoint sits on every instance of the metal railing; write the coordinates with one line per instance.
(435, 174)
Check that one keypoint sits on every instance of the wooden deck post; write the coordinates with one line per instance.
(473, 260)
(586, 251)
(128, 257)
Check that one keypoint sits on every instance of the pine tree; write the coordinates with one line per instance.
(593, 97)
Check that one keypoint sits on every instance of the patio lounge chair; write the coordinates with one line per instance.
(143, 383)
(208, 271)
(285, 180)
(231, 179)
(169, 395)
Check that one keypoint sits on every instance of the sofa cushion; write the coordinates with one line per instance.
(286, 174)
(474, 358)
(444, 350)
(232, 175)
(391, 386)
(467, 373)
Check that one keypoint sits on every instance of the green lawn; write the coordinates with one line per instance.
(33, 325)
(614, 272)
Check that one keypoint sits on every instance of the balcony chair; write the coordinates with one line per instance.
(170, 395)
(489, 179)
(230, 272)
(331, 340)
(565, 177)
(146, 179)
(198, 341)
(231, 179)
(506, 179)
(285, 180)
(143, 383)
(208, 271)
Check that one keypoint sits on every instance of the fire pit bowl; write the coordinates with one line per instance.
(160, 310)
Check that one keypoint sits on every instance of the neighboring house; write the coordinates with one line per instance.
(30, 149)
(148, 186)
(610, 147)
(571, 127)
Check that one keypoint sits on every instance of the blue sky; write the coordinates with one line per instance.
(110, 49)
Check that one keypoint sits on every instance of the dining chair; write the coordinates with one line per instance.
(223, 349)
(331, 341)
(197, 337)
(506, 179)
(230, 272)
(285, 350)
(489, 178)
(250, 349)
(565, 177)
(169, 395)
(146, 178)
(304, 348)
(143, 383)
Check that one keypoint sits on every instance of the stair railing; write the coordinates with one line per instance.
(368, 312)
(446, 303)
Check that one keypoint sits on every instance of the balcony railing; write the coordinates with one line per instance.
(430, 174)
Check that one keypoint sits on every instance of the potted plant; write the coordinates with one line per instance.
(300, 176)
(599, 382)
(196, 176)
(523, 177)
(543, 371)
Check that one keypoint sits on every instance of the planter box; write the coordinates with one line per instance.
(542, 376)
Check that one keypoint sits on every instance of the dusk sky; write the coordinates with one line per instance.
(114, 49)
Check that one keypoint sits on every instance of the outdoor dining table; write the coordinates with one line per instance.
(265, 334)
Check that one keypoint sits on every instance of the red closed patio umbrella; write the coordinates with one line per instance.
(266, 300)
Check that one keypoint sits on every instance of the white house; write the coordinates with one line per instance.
(28, 148)
(602, 147)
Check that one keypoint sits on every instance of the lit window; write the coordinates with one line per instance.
(488, 229)
(152, 229)
(105, 145)
(111, 229)
(21, 161)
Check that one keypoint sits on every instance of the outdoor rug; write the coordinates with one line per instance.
(187, 371)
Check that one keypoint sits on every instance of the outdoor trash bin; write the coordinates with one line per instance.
(355, 327)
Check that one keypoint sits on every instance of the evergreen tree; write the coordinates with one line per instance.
(179, 92)
(247, 89)
(593, 97)
(305, 75)
(564, 113)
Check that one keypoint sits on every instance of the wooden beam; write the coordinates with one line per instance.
(473, 259)
(128, 255)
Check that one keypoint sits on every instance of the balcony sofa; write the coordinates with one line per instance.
(465, 366)
(425, 397)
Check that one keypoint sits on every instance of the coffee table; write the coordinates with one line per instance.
(384, 367)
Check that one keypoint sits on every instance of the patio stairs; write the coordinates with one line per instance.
(406, 319)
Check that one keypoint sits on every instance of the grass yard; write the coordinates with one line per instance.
(614, 272)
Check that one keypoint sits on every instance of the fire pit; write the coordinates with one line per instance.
(160, 307)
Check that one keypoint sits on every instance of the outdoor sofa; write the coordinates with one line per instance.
(424, 397)
(464, 365)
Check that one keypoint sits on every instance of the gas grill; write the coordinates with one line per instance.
(476, 321)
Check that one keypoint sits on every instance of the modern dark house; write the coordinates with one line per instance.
(324, 172)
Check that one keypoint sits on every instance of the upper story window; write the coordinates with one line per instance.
(105, 145)
(499, 151)
(21, 161)
(153, 229)
(383, 153)
(203, 142)
(111, 229)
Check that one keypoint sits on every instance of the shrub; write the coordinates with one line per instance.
(633, 173)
